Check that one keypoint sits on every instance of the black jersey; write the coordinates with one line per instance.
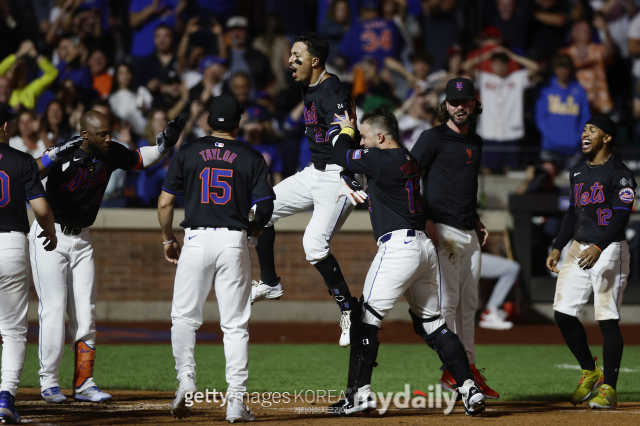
(321, 102)
(75, 187)
(220, 180)
(393, 185)
(599, 196)
(19, 182)
(451, 162)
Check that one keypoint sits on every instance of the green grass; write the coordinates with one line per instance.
(518, 372)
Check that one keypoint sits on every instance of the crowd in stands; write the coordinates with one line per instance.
(541, 68)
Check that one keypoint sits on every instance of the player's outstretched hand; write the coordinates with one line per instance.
(64, 150)
(481, 230)
(345, 121)
(50, 242)
(167, 139)
(552, 261)
(172, 252)
(351, 188)
(432, 232)
(588, 257)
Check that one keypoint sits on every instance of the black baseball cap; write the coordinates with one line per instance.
(460, 88)
(6, 114)
(224, 109)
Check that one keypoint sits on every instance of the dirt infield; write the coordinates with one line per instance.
(131, 407)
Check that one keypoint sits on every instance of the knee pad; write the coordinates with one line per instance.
(85, 356)
(363, 355)
(370, 316)
(420, 325)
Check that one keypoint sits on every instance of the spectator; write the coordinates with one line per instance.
(502, 123)
(150, 179)
(126, 101)
(221, 10)
(440, 29)
(241, 89)
(5, 90)
(172, 98)
(213, 70)
(550, 20)
(55, 125)
(145, 16)
(275, 46)
(253, 128)
(335, 26)
(562, 110)
(414, 117)
(590, 60)
(491, 37)
(14, 67)
(194, 45)
(196, 125)
(616, 14)
(438, 80)
(73, 55)
(396, 11)
(246, 59)
(511, 19)
(26, 138)
(158, 68)
(633, 44)
(102, 80)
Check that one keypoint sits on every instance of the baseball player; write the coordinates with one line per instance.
(315, 187)
(406, 262)
(450, 155)
(220, 178)
(65, 278)
(602, 194)
(19, 183)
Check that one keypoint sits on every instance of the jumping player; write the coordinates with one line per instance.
(316, 186)
(220, 178)
(450, 155)
(602, 194)
(406, 262)
(19, 183)
(65, 278)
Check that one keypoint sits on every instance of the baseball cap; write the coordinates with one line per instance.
(209, 60)
(6, 114)
(224, 109)
(369, 4)
(491, 32)
(459, 88)
(237, 22)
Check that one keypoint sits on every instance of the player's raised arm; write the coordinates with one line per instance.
(58, 153)
(151, 155)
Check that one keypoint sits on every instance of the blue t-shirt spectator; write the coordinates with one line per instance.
(149, 185)
(79, 75)
(376, 37)
(561, 113)
(142, 37)
(271, 156)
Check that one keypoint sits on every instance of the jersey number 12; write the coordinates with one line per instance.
(210, 178)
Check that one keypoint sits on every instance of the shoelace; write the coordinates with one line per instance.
(484, 379)
(584, 376)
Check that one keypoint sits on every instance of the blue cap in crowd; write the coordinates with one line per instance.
(369, 4)
(209, 60)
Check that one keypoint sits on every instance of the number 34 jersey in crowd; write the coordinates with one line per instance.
(220, 180)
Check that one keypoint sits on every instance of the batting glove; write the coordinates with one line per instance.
(61, 152)
(167, 139)
(351, 189)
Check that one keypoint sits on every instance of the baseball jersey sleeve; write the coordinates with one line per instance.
(174, 181)
(425, 150)
(336, 104)
(31, 177)
(366, 161)
(120, 157)
(623, 188)
(262, 189)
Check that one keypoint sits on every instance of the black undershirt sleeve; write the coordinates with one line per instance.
(264, 210)
(566, 229)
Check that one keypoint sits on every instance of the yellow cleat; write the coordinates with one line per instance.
(606, 398)
(588, 383)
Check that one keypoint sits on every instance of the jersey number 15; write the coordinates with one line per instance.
(5, 197)
(413, 190)
(210, 178)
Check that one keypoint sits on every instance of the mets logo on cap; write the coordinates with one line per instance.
(459, 85)
(627, 195)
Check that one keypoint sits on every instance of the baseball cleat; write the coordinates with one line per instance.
(482, 384)
(447, 382)
(345, 324)
(238, 412)
(91, 394)
(8, 412)
(261, 291)
(589, 382)
(362, 401)
(472, 397)
(185, 391)
(493, 320)
(53, 395)
(606, 398)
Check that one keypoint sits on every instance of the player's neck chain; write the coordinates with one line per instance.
(601, 164)
(319, 80)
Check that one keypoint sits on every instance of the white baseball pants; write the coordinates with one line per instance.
(65, 282)
(460, 262)
(313, 189)
(219, 257)
(404, 265)
(607, 279)
(505, 271)
(14, 302)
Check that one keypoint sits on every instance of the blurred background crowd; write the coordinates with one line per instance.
(541, 68)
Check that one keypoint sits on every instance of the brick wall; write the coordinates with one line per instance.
(130, 265)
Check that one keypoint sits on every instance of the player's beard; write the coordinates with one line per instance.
(459, 121)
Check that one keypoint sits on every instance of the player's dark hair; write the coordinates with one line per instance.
(442, 115)
(316, 44)
(383, 120)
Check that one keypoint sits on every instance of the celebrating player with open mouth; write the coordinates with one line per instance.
(602, 194)
(316, 186)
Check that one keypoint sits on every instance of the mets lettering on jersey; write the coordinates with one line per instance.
(80, 180)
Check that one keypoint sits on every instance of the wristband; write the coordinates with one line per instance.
(46, 161)
(348, 131)
(598, 248)
(164, 243)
